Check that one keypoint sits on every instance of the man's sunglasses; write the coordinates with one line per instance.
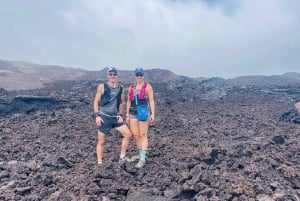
(112, 74)
(139, 75)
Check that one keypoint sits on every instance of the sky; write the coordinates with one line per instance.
(196, 38)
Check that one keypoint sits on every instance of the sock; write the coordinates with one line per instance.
(122, 155)
(143, 155)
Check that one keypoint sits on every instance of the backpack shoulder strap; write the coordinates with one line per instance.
(131, 92)
(106, 87)
(144, 86)
(121, 88)
(142, 93)
(105, 95)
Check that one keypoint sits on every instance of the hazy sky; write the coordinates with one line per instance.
(197, 38)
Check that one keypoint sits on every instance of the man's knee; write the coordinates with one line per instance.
(127, 134)
(101, 139)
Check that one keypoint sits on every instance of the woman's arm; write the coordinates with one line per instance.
(150, 95)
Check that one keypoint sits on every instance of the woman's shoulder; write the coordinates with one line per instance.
(148, 84)
(131, 86)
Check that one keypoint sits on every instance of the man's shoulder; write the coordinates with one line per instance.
(102, 87)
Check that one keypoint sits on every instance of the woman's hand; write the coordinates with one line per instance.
(151, 118)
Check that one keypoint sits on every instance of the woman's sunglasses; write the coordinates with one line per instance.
(139, 75)
(112, 74)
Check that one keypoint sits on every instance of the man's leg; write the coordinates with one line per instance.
(100, 145)
(125, 132)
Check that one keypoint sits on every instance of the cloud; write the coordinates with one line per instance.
(194, 38)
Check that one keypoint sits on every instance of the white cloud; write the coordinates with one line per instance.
(188, 37)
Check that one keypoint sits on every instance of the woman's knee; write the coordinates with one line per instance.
(143, 135)
(135, 134)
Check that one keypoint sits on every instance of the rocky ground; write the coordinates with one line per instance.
(210, 141)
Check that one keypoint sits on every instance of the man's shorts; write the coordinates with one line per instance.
(108, 124)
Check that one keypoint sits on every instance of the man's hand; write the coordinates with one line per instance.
(99, 121)
(120, 118)
(127, 119)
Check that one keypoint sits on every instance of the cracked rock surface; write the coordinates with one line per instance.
(207, 143)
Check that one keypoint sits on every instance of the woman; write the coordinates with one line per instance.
(140, 93)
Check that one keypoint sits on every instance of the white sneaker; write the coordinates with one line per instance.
(140, 164)
(135, 158)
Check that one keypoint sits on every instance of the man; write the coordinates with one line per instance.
(111, 97)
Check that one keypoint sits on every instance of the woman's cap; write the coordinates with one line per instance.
(139, 71)
(112, 70)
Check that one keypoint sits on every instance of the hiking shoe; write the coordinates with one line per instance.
(124, 159)
(140, 164)
(100, 163)
(134, 158)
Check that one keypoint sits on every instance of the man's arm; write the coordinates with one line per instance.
(100, 91)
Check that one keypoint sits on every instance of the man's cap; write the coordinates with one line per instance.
(112, 69)
(139, 71)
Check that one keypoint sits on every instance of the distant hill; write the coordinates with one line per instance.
(53, 72)
(10, 80)
(152, 76)
(21, 75)
(286, 79)
(18, 75)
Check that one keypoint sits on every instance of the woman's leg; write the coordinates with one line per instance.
(134, 127)
(143, 127)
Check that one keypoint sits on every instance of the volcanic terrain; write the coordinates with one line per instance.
(210, 141)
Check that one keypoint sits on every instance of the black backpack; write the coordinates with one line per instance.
(105, 98)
